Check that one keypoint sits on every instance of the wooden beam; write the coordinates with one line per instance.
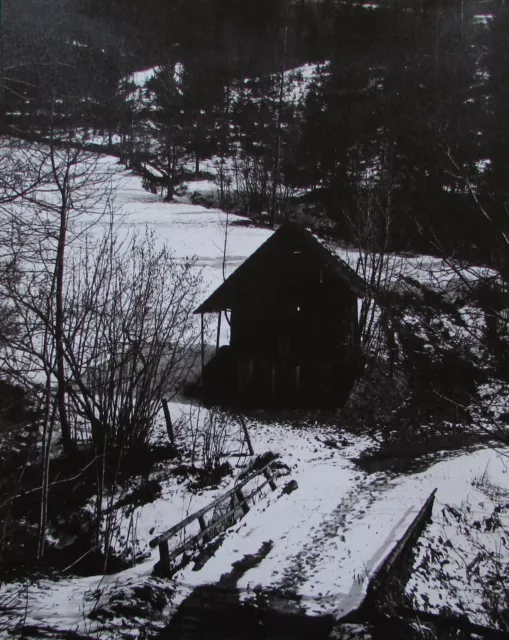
(387, 569)
(246, 435)
(218, 330)
(242, 501)
(169, 425)
(210, 530)
(202, 348)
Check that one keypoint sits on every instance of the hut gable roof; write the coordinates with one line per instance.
(288, 237)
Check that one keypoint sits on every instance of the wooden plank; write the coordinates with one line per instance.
(181, 525)
(218, 331)
(202, 331)
(184, 547)
(242, 501)
(169, 425)
(246, 435)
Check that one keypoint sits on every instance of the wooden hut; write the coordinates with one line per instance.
(292, 308)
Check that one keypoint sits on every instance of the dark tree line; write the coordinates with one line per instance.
(416, 92)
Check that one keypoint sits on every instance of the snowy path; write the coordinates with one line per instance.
(332, 533)
(328, 536)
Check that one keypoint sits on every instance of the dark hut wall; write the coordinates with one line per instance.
(293, 306)
(292, 331)
(298, 320)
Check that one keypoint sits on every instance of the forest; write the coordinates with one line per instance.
(409, 96)
(148, 149)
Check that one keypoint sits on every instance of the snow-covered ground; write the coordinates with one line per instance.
(328, 536)
(332, 532)
(296, 81)
(461, 563)
(189, 230)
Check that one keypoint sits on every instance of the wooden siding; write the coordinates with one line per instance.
(293, 334)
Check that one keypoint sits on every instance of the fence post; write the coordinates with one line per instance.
(203, 526)
(246, 435)
(240, 497)
(169, 425)
(272, 484)
(164, 552)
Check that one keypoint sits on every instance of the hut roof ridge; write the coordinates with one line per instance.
(217, 300)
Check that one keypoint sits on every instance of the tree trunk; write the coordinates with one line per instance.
(170, 177)
(277, 154)
(169, 189)
(49, 421)
(59, 327)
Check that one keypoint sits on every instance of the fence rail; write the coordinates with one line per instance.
(207, 530)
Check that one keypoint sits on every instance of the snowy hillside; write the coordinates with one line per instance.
(328, 536)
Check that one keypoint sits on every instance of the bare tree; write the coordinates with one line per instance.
(65, 191)
(104, 327)
(131, 338)
(479, 294)
(369, 224)
(50, 197)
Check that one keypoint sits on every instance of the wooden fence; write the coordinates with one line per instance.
(209, 530)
